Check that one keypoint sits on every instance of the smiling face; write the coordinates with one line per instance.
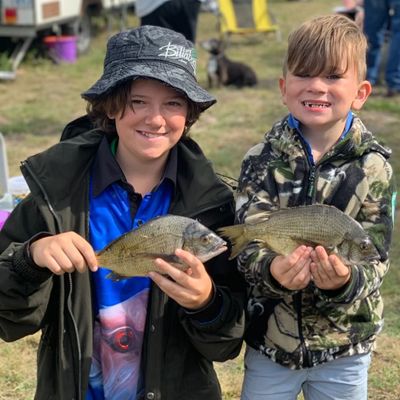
(324, 72)
(322, 102)
(152, 123)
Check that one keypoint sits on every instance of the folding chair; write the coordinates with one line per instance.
(245, 17)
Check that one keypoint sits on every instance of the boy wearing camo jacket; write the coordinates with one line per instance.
(313, 321)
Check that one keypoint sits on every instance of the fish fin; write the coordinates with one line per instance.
(308, 243)
(237, 237)
(258, 218)
(331, 249)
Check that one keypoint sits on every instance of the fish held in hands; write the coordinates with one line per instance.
(319, 224)
(133, 253)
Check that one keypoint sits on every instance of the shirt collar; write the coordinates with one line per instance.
(107, 170)
(295, 124)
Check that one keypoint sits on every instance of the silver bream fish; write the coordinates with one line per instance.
(286, 229)
(133, 253)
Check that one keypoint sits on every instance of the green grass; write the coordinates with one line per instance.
(45, 96)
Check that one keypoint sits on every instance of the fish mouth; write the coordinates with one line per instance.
(316, 105)
(364, 261)
(374, 257)
(213, 253)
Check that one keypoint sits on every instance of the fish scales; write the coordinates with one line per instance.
(133, 253)
(284, 230)
(308, 224)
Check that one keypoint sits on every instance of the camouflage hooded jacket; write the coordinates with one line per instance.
(304, 328)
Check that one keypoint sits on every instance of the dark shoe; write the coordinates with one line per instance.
(393, 92)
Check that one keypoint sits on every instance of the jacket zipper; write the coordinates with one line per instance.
(312, 177)
(311, 183)
(69, 280)
(310, 198)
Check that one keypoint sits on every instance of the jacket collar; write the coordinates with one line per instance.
(61, 172)
(285, 138)
(108, 170)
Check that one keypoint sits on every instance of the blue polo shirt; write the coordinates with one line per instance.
(295, 124)
(120, 306)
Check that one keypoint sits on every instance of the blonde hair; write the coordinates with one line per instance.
(322, 44)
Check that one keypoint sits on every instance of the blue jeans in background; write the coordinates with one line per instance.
(382, 17)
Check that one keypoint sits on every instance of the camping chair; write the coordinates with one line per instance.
(245, 16)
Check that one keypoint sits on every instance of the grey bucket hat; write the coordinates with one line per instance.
(152, 52)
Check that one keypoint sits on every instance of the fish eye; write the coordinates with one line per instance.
(205, 239)
(365, 245)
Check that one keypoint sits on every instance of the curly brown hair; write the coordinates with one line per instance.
(117, 100)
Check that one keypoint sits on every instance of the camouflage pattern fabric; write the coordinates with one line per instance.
(300, 329)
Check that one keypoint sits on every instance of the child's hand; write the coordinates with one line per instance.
(191, 289)
(328, 271)
(293, 271)
(65, 252)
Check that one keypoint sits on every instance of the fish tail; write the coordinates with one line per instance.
(237, 237)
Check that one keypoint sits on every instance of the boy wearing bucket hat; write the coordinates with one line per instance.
(127, 161)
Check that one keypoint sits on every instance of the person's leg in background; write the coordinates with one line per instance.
(178, 15)
(161, 16)
(375, 24)
(392, 73)
(190, 13)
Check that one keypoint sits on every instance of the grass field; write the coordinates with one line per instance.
(45, 96)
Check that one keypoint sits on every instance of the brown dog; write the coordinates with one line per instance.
(223, 71)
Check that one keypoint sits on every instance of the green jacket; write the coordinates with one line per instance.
(179, 348)
(304, 328)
